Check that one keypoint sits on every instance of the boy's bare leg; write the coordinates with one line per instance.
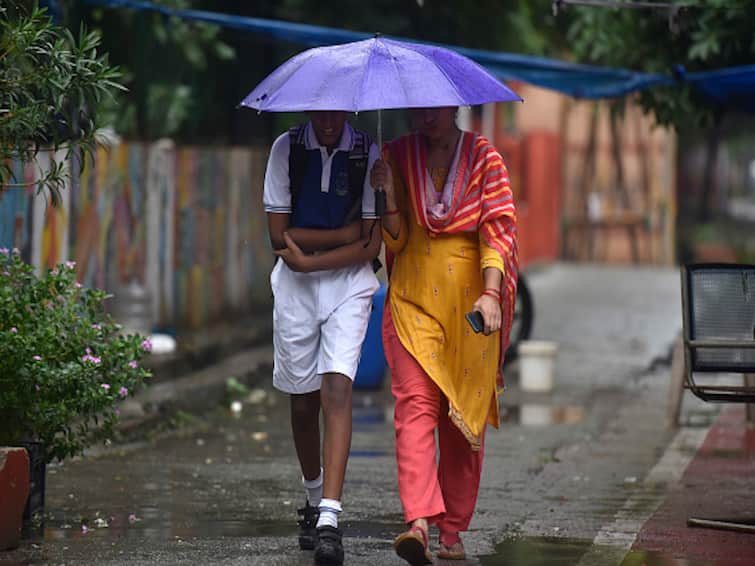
(305, 425)
(335, 396)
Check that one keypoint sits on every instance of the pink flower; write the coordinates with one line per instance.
(4, 251)
(78, 285)
(147, 345)
(133, 364)
(6, 273)
(70, 264)
(15, 251)
(38, 358)
(105, 386)
(96, 327)
(88, 350)
(123, 392)
(90, 358)
(13, 329)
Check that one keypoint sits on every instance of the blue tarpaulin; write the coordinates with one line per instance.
(732, 88)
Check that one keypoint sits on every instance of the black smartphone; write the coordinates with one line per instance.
(476, 321)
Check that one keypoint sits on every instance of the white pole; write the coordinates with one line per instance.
(488, 121)
(464, 119)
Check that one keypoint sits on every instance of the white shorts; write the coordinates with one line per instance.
(319, 323)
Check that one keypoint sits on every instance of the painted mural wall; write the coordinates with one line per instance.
(185, 222)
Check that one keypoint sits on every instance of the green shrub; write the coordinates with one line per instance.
(64, 365)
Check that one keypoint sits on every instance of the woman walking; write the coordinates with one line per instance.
(450, 234)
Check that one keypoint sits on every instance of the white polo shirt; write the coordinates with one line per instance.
(277, 187)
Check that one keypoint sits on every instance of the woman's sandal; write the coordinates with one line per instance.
(452, 549)
(412, 546)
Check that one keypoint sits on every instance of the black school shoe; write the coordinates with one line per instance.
(329, 551)
(308, 526)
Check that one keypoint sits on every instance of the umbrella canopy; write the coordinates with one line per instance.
(376, 74)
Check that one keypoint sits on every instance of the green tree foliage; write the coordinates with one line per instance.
(168, 67)
(51, 87)
(184, 81)
(521, 26)
(697, 34)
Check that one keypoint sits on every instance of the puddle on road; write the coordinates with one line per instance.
(534, 414)
(369, 453)
(646, 558)
(537, 552)
(550, 551)
(170, 527)
(184, 528)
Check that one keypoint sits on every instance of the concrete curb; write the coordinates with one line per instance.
(193, 380)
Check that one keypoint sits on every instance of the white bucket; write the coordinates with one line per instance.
(537, 365)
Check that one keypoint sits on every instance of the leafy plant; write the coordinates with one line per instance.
(171, 67)
(696, 34)
(63, 363)
(51, 86)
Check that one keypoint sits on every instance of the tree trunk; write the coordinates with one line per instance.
(621, 184)
(710, 180)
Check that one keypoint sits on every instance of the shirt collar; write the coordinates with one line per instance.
(345, 144)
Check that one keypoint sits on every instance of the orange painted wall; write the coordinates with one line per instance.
(540, 201)
(534, 164)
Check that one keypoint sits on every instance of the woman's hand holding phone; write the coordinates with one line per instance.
(490, 309)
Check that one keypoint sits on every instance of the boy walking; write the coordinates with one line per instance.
(321, 220)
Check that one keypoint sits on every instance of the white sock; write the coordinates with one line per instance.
(313, 489)
(329, 510)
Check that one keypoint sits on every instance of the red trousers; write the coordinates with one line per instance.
(443, 492)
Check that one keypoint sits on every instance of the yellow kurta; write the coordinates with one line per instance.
(434, 281)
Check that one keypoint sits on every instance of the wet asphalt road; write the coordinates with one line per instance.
(223, 488)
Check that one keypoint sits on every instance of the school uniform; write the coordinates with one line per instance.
(319, 319)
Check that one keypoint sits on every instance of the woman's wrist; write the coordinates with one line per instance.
(492, 292)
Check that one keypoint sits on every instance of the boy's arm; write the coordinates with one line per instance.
(315, 240)
(362, 250)
(310, 240)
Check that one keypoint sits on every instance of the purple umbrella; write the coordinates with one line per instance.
(376, 74)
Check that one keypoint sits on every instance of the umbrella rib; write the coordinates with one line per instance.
(355, 101)
(442, 70)
(393, 63)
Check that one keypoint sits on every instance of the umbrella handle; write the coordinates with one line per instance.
(380, 203)
(380, 131)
